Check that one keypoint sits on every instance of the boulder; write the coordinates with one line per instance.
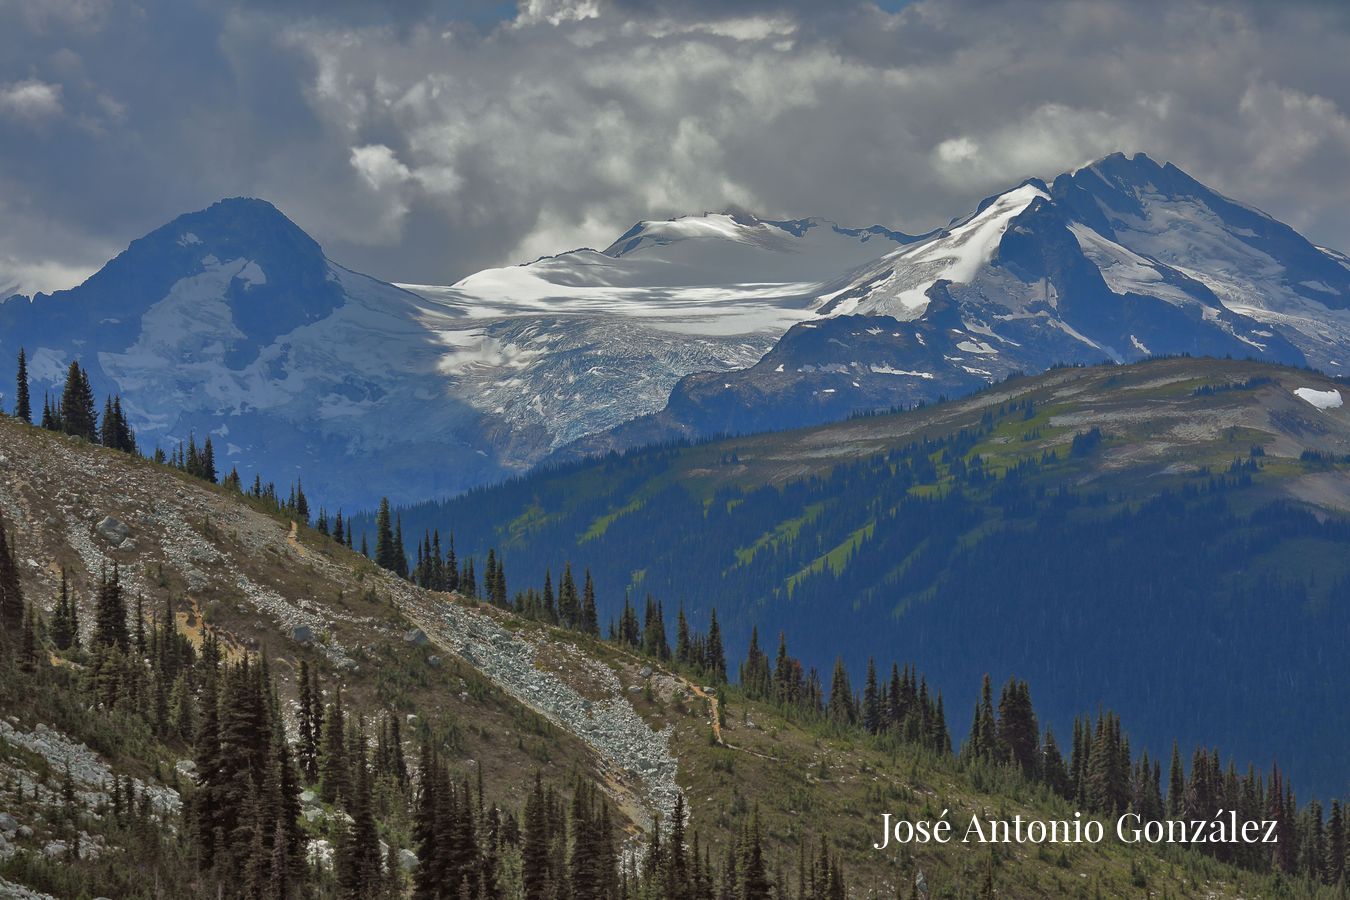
(309, 798)
(186, 768)
(112, 529)
(417, 637)
(302, 634)
(646, 672)
(8, 824)
(407, 860)
(434, 661)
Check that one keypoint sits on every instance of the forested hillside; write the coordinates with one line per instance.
(1166, 538)
(204, 696)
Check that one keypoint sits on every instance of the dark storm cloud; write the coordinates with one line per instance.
(422, 140)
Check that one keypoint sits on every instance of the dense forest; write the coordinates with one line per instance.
(1184, 606)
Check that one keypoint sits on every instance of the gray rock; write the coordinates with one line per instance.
(54, 849)
(186, 768)
(129, 545)
(407, 860)
(309, 798)
(434, 661)
(417, 637)
(312, 813)
(8, 824)
(646, 672)
(112, 529)
(302, 634)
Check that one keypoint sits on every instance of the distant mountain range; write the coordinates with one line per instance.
(232, 322)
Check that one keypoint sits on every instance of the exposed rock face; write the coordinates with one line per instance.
(611, 726)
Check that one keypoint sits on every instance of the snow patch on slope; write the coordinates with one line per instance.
(1321, 399)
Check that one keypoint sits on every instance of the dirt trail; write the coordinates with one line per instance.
(293, 539)
(712, 709)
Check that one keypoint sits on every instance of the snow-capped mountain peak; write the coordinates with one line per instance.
(231, 321)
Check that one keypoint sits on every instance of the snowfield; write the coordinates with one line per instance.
(1321, 399)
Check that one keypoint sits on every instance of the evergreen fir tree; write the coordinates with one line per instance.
(385, 554)
(590, 620)
(77, 405)
(683, 647)
(840, 710)
(23, 407)
(334, 776)
(64, 627)
(110, 613)
(569, 608)
(872, 706)
(715, 657)
(11, 592)
(535, 846)
(28, 642)
(358, 866)
(400, 555)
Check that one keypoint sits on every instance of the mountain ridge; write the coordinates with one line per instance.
(232, 322)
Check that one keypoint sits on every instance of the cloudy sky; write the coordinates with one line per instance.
(421, 140)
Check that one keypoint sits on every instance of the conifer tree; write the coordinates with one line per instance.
(535, 846)
(756, 678)
(77, 405)
(51, 415)
(208, 803)
(11, 592)
(385, 555)
(755, 879)
(840, 710)
(590, 619)
(1176, 784)
(715, 657)
(569, 609)
(64, 625)
(683, 647)
(358, 857)
(424, 826)
(400, 555)
(1017, 729)
(550, 612)
(872, 712)
(334, 776)
(1052, 768)
(23, 407)
(28, 643)
(110, 613)
(307, 748)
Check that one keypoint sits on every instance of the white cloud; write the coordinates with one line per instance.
(28, 277)
(422, 149)
(30, 99)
